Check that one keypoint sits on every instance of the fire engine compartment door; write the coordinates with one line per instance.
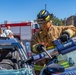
(26, 33)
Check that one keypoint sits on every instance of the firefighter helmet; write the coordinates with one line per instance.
(44, 15)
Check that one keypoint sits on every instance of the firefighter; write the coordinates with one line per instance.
(2, 34)
(47, 33)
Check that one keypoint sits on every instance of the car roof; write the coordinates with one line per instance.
(7, 41)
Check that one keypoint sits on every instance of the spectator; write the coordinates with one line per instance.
(10, 35)
(2, 34)
(7, 31)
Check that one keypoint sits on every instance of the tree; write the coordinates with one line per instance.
(57, 21)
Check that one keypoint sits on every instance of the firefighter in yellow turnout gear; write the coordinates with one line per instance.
(48, 33)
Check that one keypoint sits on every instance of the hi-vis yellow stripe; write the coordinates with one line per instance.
(50, 47)
(43, 12)
(47, 18)
(38, 67)
(70, 32)
(34, 48)
(65, 64)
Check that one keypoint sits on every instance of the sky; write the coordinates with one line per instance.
(27, 10)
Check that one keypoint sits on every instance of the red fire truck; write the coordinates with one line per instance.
(22, 30)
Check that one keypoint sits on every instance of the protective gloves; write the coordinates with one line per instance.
(39, 47)
(64, 37)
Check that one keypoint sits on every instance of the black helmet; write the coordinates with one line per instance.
(44, 15)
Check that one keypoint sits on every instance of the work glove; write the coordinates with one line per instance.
(64, 37)
(39, 48)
